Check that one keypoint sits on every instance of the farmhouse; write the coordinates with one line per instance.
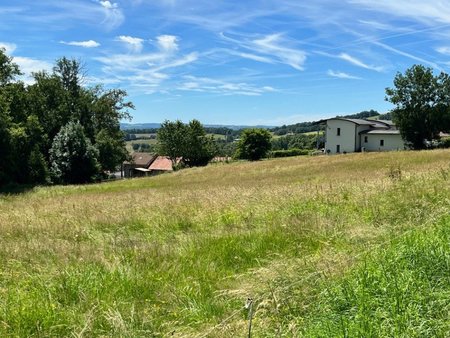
(352, 135)
(144, 164)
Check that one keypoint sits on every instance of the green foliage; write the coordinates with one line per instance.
(31, 117)
(111, 149)
(5, 145)
(401, 291)
(226, 149)
(362, 115)
(200, 148)
(37, 167)
(8, 69)
(172, 139)
(254, 144)
(188, 141)
(444, 143)
(298, 141)
(422, 105)
(289, 152)
(73, 158)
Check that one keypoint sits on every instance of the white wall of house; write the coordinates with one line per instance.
(390, 142)
(340, 136)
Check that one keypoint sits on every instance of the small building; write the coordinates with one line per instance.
(353, 135)
(139, 165)
(162, 164)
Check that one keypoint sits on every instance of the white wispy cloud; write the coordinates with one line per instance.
(443, 50)
(184, 60)
(352, 60)
(108, 5)
(133, 44)
(8, 47)
(167, 43)
(113, 15)
(378, 25)
(55, 15)
(28, 66)
(342, 75)
(85, 44)
(355, 61)
(222, 87)
(254, 57)
(145, 72)
(429, 12)
(407, 55)
(274, 47)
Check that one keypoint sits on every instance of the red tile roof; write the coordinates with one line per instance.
(161, 163)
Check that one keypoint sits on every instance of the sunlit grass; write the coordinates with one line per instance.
(177, 253)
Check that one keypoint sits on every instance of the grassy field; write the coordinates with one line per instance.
(129, 144)
(353, 245)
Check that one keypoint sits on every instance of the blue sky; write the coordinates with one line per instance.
(248, 62)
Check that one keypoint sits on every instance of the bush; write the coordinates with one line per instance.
(254, 144)
(290, 152)
(444, 143)
(73, 157)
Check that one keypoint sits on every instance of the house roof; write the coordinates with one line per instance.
(388, 122)
(161, 163)
(358, 121)
(382, 131)
(142, 159)
(373, 123)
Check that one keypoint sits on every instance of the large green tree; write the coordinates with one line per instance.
(31, 116)
(189, 141)
(422, 104)
(200, 148)
(8, 73)
(254, 144)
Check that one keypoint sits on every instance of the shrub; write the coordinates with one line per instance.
(73, 158)
(254, 144)
(290, 152)
(444, 143)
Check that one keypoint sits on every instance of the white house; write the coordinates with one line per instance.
(353, 135)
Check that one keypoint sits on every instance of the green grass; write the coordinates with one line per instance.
(402, 290)
(177, 254)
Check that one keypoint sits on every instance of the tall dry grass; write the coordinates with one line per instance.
(177, 253)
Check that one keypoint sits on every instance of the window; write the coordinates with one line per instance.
(365, 139)
(339, 132)
(381, 143)
(338, 148)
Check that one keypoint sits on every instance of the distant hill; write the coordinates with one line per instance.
(298, 128)
(142, 126)
(127, 126)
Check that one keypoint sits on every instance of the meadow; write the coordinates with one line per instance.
(353, 245)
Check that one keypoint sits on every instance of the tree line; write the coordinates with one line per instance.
(57, 130)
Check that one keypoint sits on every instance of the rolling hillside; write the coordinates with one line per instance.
(349, 245)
